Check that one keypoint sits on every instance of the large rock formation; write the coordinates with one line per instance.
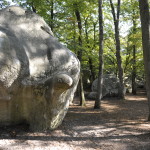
(38, 75)
(111, 87)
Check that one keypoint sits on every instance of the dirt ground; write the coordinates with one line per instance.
(119, 125)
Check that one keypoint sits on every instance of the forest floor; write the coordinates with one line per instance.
(119, 125)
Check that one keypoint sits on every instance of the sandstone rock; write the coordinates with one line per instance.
(38, 75)
(110, 86)
(128, 84)
(140, 84)
(92, 95)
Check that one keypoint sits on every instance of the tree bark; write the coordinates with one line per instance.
(81, 89)
(145, 25)
(52, 15)
(33, 7)
(94, 35)
(77, 13)
(134, 54)
(118, 49)
(100, 75)
(134, 71)
(92, 76)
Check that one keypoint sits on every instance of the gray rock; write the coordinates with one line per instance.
(38, 75)
(128, 84)
(140, 84)
(92, 95)
(110, 86)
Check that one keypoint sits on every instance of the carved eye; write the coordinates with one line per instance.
(47, 30)
(73, 71)
(49, 56)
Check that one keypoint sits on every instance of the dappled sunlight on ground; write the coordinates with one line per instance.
(118, 125)
(109, 108)
(133, 98)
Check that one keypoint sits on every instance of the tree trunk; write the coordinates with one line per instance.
(52, 15)
(92, 76)
(33, 7)
(74, 38)
(81, 89)
(119, 62)
(94, 35)
(117, 39)
(77, 13)
(134, 71)
(100, 75)
(145, 24)
(134, 54)
(127, 61)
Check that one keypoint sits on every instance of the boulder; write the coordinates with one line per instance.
(110, 87)
(38, 75)
(128, 84)
(140, 84)
(92, 95)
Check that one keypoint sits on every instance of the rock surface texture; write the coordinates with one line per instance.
(111, 87)
(38, 75)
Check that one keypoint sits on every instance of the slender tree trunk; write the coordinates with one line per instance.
(145, 24)
(100, 75)
(77, 13)
(127, 62)
(118, 49)
(134, 71)
(91, 69)
(119, 62)
(33, 7)
(94, 44)
(94, 35)
(52, 15)
(82, 97)
(81, 89)
(92, 77)
(74, 38)
(134, 55)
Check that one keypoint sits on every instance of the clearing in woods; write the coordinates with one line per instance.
(119, 125)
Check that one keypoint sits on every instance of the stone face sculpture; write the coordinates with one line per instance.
(38, 75)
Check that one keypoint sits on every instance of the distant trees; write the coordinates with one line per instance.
(145, 23)
(4, 3)
(75, 24)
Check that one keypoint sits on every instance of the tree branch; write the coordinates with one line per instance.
(113, 10)
(118, 10)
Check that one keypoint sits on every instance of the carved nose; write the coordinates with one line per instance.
(63, 81)
(57, 85)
